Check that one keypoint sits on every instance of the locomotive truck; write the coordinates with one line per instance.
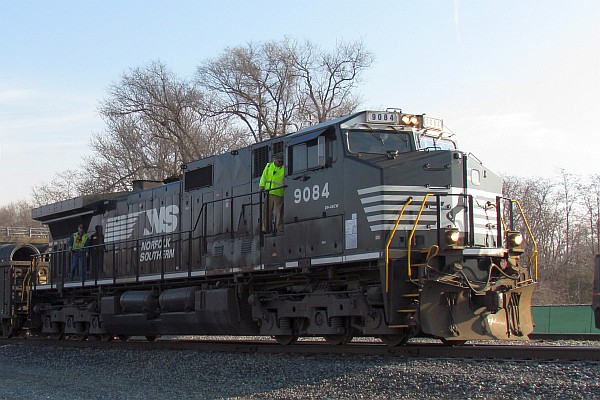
(389, 231)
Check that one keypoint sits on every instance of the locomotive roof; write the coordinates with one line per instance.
(78, 206)
(89, 203)
(323, 125)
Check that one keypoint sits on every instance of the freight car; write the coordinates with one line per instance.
(389, 230)
(15, 281)
(566, 321)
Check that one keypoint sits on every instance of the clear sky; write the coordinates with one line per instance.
(517, 81)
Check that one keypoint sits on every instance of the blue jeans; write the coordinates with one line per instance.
(78, 261)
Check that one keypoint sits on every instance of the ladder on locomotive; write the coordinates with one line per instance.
(406, 302)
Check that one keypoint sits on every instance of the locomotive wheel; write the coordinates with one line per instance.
(79, 337)
(394, 340)
(56, 336)
(103, 337)
(123, 338)
(58, 331)
(336, 340)
(151, 338)
(285, 340)
(81, 328)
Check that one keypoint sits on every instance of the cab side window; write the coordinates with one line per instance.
(312, 154)
(299, 158)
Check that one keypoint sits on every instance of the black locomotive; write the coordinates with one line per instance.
(388, 231)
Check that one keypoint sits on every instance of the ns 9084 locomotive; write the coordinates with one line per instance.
(388, 230)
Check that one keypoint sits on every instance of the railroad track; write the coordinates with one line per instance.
(564, 336)
(517, 352)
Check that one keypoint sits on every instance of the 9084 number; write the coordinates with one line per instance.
(311, 193)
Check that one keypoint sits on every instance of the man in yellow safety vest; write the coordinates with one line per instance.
(77, 244)
(271, 182)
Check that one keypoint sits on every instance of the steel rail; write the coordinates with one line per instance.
(515, 352)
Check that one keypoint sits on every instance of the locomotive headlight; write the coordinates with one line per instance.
(515, 239)
(408, 119)
(452, 236)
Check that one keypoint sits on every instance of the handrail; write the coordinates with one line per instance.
(23, 231)
(533, 259)
(232, 198)
(190, 233)
(412, 233)
(432, 252)
(389, 242)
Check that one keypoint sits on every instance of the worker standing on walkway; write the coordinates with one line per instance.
(77, 244)
(271, 183)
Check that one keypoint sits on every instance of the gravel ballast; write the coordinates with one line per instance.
(72, 373)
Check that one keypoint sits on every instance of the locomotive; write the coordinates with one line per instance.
(389, 231)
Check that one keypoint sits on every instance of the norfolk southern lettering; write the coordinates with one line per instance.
(156, 250)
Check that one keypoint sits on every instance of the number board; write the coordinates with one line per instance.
(381, 117)
(433, 123)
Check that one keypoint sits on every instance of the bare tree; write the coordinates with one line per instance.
(64, 186)
(17, 214)
(538, 199)
(568, 205)
(562, 214)
(540, 204)
(156, 121)
(276, 87)
(254, 83)
(154, 124)
(328, 80)
(589, 192)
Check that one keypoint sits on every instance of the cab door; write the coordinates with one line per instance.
(312, 214)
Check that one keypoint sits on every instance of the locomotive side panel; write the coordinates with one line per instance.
(226, 221)
(358, 236)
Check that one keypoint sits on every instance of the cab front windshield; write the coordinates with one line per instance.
(433, 143)
(378, 142)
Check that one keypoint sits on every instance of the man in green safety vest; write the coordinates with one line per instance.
(77, 244)
(271, 182)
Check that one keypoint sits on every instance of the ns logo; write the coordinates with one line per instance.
(163, 220)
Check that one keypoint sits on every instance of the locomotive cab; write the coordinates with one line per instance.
(438, 213)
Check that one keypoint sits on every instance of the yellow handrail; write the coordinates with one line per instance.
(25, 286)
(412, 233)
(389, 242)
(534, 255)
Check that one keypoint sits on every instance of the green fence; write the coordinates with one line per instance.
(568, 319)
